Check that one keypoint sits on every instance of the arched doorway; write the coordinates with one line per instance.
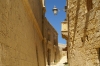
(48, 56)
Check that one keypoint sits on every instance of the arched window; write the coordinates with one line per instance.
(89, 5)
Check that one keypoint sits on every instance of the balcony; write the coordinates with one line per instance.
(64, 29)
(65, 49)
(55, 48)
(49, 44)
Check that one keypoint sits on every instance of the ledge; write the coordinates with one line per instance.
(64, 49)
(65, 34)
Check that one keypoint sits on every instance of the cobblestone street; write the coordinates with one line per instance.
(62, 61)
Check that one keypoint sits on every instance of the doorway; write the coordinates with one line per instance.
(48, 56)
(99, 55)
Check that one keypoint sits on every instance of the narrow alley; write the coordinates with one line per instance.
(62, 61)
(32, 34)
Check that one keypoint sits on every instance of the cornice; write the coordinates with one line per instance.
(44, 9)
(32, 17)
(42, 3)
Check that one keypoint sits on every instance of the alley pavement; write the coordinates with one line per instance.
(62, 61)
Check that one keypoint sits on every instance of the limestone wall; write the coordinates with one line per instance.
(20, 42)
(37, 10)
(51, 37)
(84, 35)
(49, 29)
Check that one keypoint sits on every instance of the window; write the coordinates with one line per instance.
(89, 4)
(87, 38)
(82, 39)
(48, 34)
(48, 37)
(98, 50)
(54, 42)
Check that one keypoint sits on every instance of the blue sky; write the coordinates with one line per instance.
(56, 20)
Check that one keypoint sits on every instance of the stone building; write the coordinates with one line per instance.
(82, 32)
(50, 43)
(63, 50)
(21, 33)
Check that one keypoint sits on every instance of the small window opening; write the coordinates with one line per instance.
(82, 39)
(87, 37)
(98, 50)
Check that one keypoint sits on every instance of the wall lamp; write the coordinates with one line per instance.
(55, 10)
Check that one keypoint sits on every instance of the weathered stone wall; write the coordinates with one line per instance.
(20, 42)
(51, 37)
(84, 35)
(37, 10)
(49, 29)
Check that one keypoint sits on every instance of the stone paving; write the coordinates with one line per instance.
(63, 60)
